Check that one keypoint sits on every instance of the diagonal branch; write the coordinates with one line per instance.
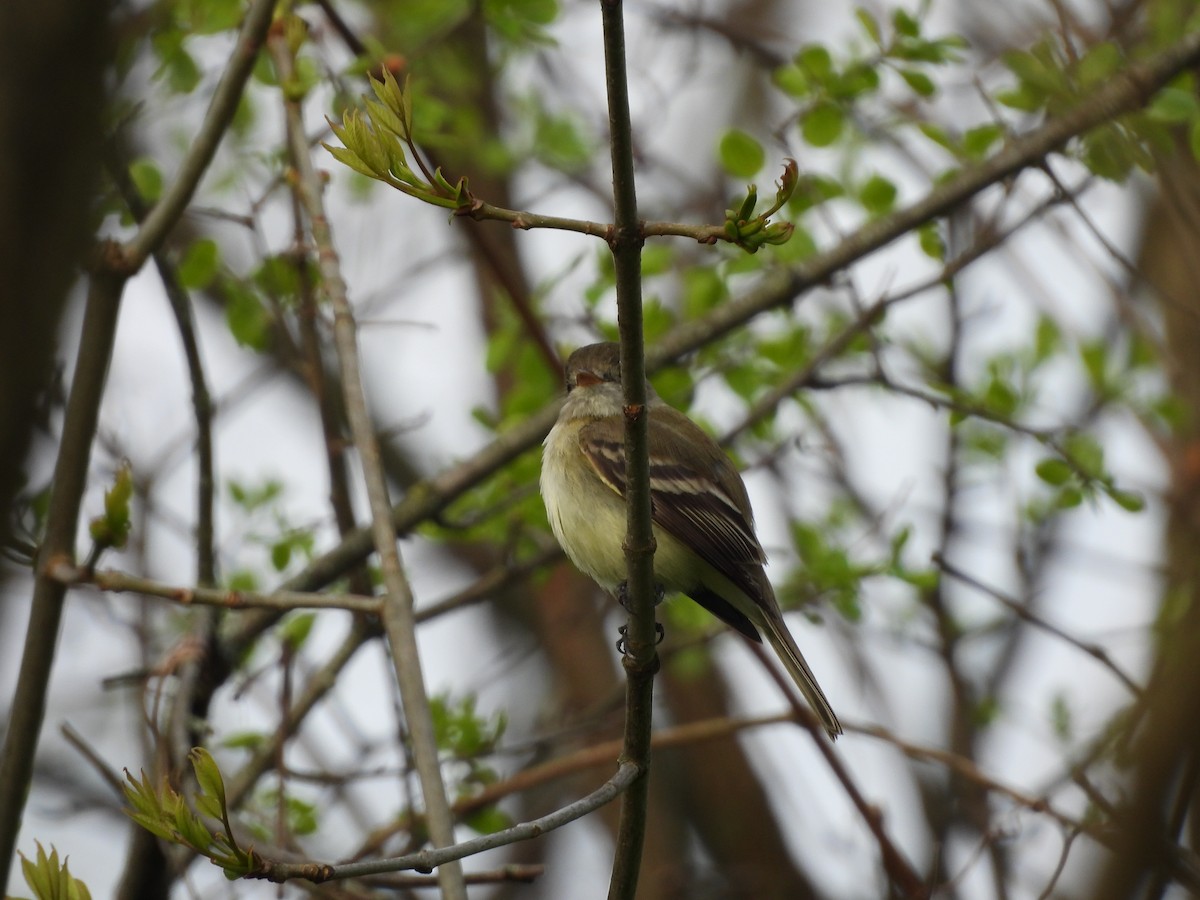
(398, 616)
(426, 860)
(166, 212)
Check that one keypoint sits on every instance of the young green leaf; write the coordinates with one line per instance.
(741, 154)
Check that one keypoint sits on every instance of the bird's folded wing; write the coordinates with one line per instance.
(701, 502)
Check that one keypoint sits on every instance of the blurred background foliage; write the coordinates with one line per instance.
(972, 453)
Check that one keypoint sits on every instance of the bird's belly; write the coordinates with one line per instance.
(589, 520)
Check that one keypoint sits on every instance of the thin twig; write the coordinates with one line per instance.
(70, 478)
(899, 871)
(427, 860)
(1095, 651)
(119, 582)
(398, 617)
(228, 94)
(640, 657)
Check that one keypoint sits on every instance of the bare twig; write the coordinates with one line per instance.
(640, 658)
(398, 618)
(120, 582)
(1095, 651)
(899, 871)
(70, 478)
(426, 860)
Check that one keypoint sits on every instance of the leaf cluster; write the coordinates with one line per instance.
(164, 812)
(378, 143)
(51, 880)
(752, 231)
(111, 530)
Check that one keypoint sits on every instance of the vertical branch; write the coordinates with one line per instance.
(398, 615)
(641, 659)
(62, 521)
(146, 867)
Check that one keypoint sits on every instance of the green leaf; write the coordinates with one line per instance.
(1023, 97)
(281, 555)
(1094, 355)
(296, 628)
(1086, 452)
(51, 880)
(815, 61)
(976, 142)
(1048, 339)
(244, 740)
(560, 143)
(1061, 719)
(112, 529)
(1174, 106)
(146, 178)
(869, 24)
(823, 124)
(741, 154)
(1054, 471)
(1130, 501)
(1001, 398)
(248, 320)
(210, 782)
(878, 195)
(278, 276)
(176, 65)
(905, 24)
(489, 820)
(1100, 63)
(853, 83)
(1069, 498)
(199, 264)
(929, 237)
(920, 82)
(792, 81)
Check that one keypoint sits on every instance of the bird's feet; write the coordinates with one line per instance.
(623, 595)
(623, 631)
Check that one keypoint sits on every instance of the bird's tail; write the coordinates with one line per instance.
(793, 660)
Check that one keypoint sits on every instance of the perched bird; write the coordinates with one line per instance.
(701, 512)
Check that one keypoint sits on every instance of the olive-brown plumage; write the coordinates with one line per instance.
(703, 523)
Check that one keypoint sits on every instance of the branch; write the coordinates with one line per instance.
(115, 582)
(1095, 651)
(398, 619)
(1124, 93)
(202, 405)
(640, 657)
(480, 210)
(427, 860)
(220, 113)
(70, 479)
(899, 871)
(483, 588)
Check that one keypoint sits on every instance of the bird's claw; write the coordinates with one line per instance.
(622, 642)
(623, 595)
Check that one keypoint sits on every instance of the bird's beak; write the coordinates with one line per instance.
(587, 379)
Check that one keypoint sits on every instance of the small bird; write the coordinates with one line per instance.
(701, 512)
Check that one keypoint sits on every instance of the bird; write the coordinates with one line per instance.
(702, 520)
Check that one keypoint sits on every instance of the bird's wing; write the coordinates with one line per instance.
(702, 503)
